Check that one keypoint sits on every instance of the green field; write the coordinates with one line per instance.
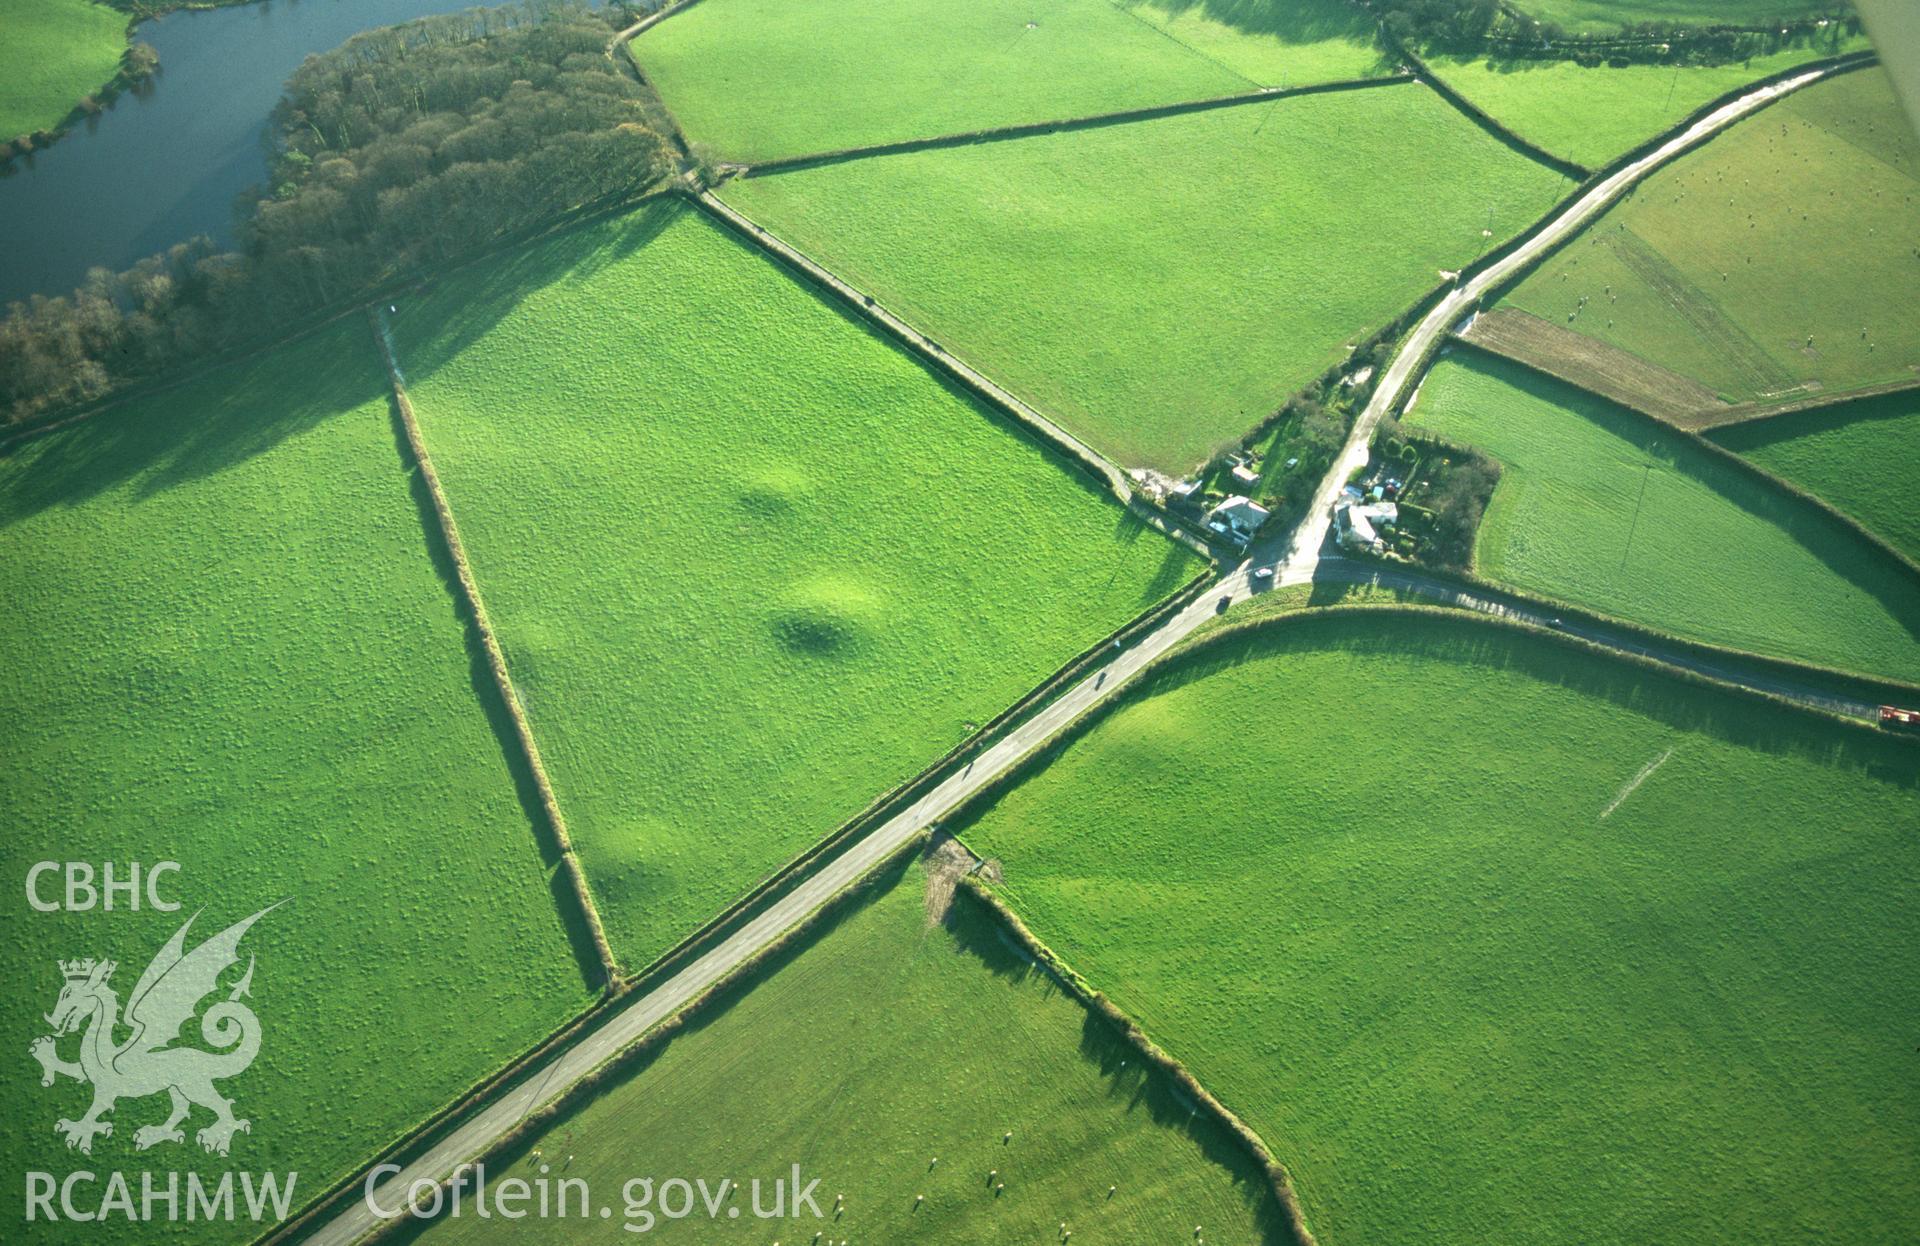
(1779, 258)
(888, 1042)
(1605, 509)
(751, 565)
(54, 52)
(227, 645)
(1598, 16)
(1593, 114)
(1863, 457)
(756, 79)
(1359, 874)
(1272, 44)
(1161, 287)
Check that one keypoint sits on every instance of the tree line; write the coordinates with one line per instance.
(404, 148)
(1476, 27)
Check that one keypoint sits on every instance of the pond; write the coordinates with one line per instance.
(159, 167)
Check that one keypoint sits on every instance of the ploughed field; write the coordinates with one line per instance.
(1496, 938)
(751, 564)
(1603, 508)
(1777, 260)
(1160, 287)
(886, 1042)
(1862, 457)
(227, 644)
(54, 52)
(757, 79)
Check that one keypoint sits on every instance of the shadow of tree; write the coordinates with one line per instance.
(1289, 21)
(202, 426)
(232, 412)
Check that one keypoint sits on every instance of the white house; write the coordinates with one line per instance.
(1237, 516)
(1359, 525)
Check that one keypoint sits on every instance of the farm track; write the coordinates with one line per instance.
(1294, 559)
(1754, 412)
(1700, 311)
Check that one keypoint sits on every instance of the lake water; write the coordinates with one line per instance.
(156, 170)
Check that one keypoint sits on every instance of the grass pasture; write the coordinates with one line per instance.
(1778, 259)
(887, 1042)
(1605, 509)
(1494, 939)
(1593, 114)
(751, 565)
(228, 645)
(1272, 45)
(1162, 286)
(54, 52)
(1863, 457)
(755, 79)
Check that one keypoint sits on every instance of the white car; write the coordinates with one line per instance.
(1264, 573)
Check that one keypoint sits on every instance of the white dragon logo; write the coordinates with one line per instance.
(165, 999)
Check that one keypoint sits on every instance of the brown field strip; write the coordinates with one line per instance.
(1594, 365)
(1623, 377)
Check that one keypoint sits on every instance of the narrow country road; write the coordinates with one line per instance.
(1293, 561)
(1311, 534)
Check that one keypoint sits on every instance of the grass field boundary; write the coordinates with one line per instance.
(1759, 412)
(496, 659)
(1866, 689)
(1155, 1056)
(1741, 464)
(1029, 421)
(1063, 125)
(904, 794)
(768, 959)
(1486, 120)
(1813, 688)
